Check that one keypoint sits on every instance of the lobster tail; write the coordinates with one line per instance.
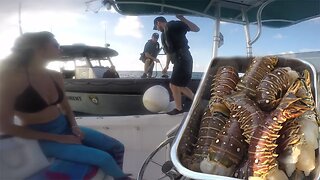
(211, 124)
(226, 151)
(246, 112)
(273, 86)
(224, 83)
(229, 146)
(259, 67)
(189, 138)
(262, 156)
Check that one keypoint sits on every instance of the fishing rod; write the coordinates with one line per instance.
(20, 27)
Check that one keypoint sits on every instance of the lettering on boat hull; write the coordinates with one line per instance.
(75, 98)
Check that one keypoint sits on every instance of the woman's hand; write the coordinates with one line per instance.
(77, 131)
(68, 139)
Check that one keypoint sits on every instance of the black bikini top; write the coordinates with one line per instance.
(30, 101)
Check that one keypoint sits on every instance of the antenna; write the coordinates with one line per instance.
(105, 35)
(20, 28)
(105, 32)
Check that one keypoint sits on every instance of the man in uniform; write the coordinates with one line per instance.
(175, 45)
(149, 55)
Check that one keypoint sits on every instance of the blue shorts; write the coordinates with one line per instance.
(96, 149)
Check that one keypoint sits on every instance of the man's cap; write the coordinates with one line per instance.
(155, 35)
(158, 19)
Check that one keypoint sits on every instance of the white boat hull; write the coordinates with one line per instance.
(102, 104)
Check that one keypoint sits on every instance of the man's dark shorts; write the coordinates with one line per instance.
(182, 69)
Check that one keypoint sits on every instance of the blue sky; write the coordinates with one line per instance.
(71, 23)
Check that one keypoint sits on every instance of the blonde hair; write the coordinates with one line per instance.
(24, 48)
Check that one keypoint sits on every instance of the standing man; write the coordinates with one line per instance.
(149, 55)
(175, 44)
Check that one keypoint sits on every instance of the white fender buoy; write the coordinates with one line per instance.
(156, 99)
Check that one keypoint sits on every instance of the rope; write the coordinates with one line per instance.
(156, 71)
(157, 68)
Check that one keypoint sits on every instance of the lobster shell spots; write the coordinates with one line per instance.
(241, 171)
(210, 126)
(224, 83)
(229, 146)
(262, 156)
(273, 86)
(246, 112)
(259, 67)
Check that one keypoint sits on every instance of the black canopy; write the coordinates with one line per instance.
(278, 13)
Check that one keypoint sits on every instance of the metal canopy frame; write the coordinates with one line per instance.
(243, 6)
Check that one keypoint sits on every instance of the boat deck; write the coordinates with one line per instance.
(140, 135)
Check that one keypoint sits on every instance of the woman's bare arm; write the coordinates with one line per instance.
(10, 87)
(65, 106)
(67, 110)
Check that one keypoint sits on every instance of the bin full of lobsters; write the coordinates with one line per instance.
(252, 118)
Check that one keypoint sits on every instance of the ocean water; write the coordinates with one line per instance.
(156, 74)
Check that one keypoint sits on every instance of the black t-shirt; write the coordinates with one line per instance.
(152, 48)
(174, 38)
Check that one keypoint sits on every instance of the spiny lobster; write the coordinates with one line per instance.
(241, 170)
(298, 137)
(190, 136)
(289, 145)
(273, 86)
(211, 124)
(226, 151)
(214, 117)
(246, 112)
(223, 84)
(259, 67)
(309, 129)
(262, 156)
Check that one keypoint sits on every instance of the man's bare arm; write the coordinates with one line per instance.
(190, 24)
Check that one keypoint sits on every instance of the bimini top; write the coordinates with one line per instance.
(73, 51)
(278, 13)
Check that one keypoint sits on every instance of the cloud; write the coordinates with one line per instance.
(129, 26)
(278, 36)
(45, 15)
(42, 14)
(34, 21)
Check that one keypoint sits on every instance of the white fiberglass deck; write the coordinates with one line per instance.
(140, 135)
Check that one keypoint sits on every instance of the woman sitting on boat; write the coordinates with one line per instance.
(35, 95)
